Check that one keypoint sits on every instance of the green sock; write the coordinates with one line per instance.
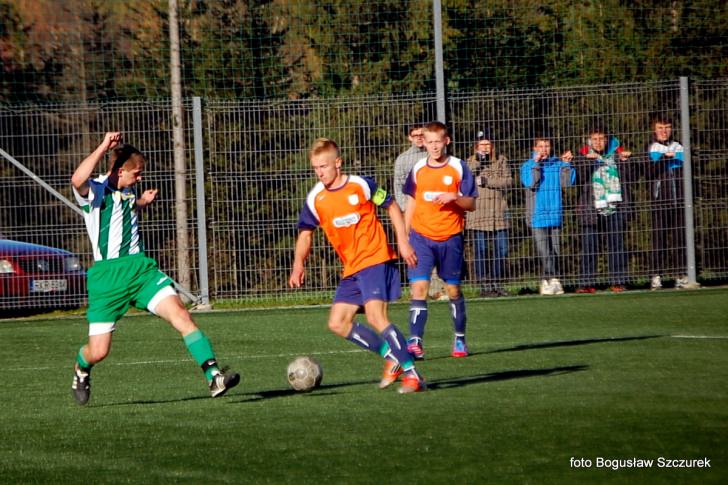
(82, 364)
(385, 351)
(201, 350)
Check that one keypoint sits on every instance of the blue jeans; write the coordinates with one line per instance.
(498, 240)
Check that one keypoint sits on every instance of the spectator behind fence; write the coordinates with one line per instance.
(666, 193)
(544, 177)
(602, 176)
(440, 189)
(406, 160)
(489, 222)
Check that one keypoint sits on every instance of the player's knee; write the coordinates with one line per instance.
(419, 288)
(339, 327)
(453, 292)
(179, 317)
(378, 322)
(183, 322)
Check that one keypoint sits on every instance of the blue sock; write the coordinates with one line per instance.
(457, 310)
(418, 318)
(398, 347)
(366, 338)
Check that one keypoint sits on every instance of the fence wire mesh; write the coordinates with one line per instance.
(51, 141)
(257, 174)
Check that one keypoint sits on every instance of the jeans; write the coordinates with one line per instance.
(611, 228)
(498, 240)
(548, 246)
(668, 239)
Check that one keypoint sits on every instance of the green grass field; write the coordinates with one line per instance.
(635, 375)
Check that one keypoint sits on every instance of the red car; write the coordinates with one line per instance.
(38, 276)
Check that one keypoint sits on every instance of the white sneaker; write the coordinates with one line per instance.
(556, 285)
(546, 288)
(656, 283)
(682, 282)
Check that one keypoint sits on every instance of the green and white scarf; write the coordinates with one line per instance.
(606, 185)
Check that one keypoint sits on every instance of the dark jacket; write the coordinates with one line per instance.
(665, 173)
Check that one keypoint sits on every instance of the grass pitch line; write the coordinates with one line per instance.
(717, 337)
(227, 357)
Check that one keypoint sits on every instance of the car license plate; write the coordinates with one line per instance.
(46, 286)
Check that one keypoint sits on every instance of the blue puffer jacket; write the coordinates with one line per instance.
(544, 182)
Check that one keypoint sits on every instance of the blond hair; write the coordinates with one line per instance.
(321, 145)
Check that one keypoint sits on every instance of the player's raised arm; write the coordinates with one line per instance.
(303, 249)
(400, 232)
(85, 169)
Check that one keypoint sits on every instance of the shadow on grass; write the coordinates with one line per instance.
(502, 376)
(569, 343)
(148, 401)
(321, 391)
(328, 389)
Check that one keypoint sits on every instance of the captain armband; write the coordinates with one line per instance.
(379, 197)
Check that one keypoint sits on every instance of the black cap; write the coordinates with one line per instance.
(483, 134)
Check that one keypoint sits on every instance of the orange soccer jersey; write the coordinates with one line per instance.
(425, 183)
(348, 217)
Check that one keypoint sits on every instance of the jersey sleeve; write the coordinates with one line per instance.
(306, 219)
(380, 197)
(94, 197)
(409, 184)
(80, 199)
(467, 184)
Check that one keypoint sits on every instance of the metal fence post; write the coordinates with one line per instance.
(439, 64)
(687, 179)
(200, 194)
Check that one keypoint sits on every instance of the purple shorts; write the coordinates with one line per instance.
(378, 282)
(446, 256)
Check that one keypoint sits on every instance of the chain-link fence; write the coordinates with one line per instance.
(256, 175)
(50, 142)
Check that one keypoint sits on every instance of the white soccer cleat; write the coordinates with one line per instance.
(556, 287)
(656, 282)
(223, 381)
(546, 288)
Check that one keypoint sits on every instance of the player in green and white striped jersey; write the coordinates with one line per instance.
(122, 275)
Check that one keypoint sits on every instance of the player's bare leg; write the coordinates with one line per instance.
(219, 380)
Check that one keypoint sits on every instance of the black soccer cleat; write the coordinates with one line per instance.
(81, 387)
(223, 381)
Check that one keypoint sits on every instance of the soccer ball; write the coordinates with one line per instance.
(304, 374)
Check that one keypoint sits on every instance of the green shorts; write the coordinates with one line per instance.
(116, 284)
